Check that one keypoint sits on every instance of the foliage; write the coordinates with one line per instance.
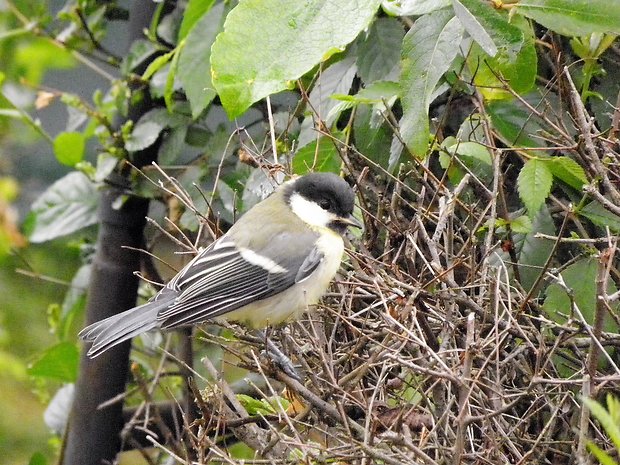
(610, 420)
(480, 140)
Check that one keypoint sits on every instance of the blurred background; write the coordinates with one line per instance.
(33, 278)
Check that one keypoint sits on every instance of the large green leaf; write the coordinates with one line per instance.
(144, 134)
(600, 216)
(336, 79)
(68, 205)
(38, 458)
(267, 44)
(515, 62)
(534, 184)
(486, 26)
(569, 171)
(59, 362)
(373, 140)
(429, 48)
(533, 252)
(473, 155)
(379, 54)
(574, 17)
(515, 124)
(318, 155)
(580, 277)
(194, 68)
(150, 126)
(172, 146)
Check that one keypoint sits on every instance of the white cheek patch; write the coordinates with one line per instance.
(260, 260)
(310, 212)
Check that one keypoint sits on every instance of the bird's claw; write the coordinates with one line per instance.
(281, 360)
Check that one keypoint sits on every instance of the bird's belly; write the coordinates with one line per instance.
(291, 303)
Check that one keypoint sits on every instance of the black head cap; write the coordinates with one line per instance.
(330, 191)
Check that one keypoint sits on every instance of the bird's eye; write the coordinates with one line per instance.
(325, 204)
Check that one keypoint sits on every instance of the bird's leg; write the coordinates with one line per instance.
(278, 357)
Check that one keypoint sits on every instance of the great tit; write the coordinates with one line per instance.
(273, 263)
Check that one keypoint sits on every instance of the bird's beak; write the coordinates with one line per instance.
(351, 221)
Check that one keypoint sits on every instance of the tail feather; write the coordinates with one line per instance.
(107, 333)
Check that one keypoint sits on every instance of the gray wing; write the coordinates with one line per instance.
(224, 277)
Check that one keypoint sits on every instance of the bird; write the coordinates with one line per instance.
(273, 263)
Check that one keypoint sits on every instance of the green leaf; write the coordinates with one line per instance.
(38, 458)
(613, 407)
(532, 252)
(557, 303)
(428, 50)
(377, 92)
(74, 301)
(573, 17)
(157, 64)
(396, 150)
(580, 277)
(487, 27)
(194, 12)
(195, 61)
(534, 184)
(336, 79)
(600, 216)
(171, 81)
(68, 205)
(140, 51)
(144, 135)
(372, 140)
(59, 362)
(149, 127)
(13, 33)
(172, 145)
(568, 170)
(521, 225)
(9, 110)
(516, 63)
(159, 83)
(261, 406)
(379, 54)
(514, 123)
(605, 419)
(255, 406)
(473, 155)
(69, 148)
(603, 457)
(267, 44)
(106, 163)
(413, 7)
(38, 55)
(472, 150)
(325, 157)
